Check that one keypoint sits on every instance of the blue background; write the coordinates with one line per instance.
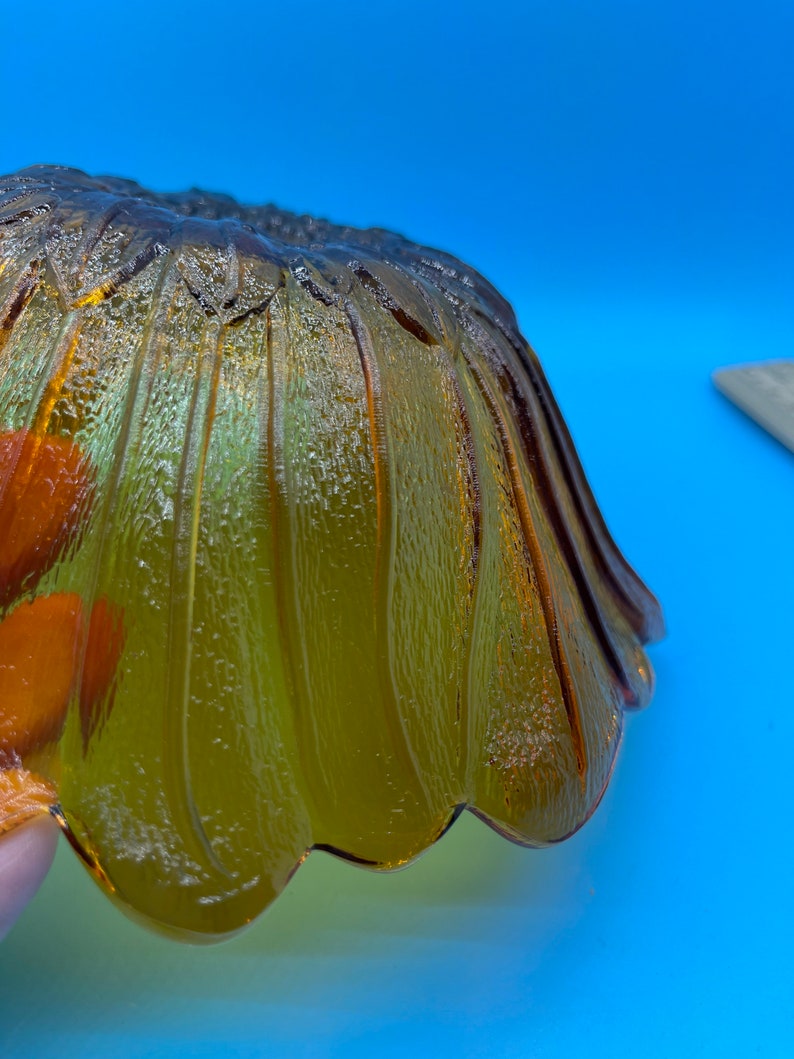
(623, 171)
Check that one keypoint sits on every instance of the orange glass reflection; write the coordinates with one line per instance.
(47, 644)
(45, 493)
(105, 642)
(39, 641)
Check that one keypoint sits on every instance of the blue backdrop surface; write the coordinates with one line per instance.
(623, 172)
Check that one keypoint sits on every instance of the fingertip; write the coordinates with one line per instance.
(26, 855)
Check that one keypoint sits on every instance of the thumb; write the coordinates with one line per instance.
(25, 858)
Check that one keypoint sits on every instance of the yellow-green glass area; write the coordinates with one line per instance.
(358, 582)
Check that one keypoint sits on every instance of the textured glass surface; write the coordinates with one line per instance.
(295, 551)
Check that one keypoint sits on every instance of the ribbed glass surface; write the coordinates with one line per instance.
(295, 551)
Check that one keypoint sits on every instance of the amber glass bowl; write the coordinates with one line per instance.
(295, 551)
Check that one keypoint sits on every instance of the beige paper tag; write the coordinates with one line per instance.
(765, 392)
